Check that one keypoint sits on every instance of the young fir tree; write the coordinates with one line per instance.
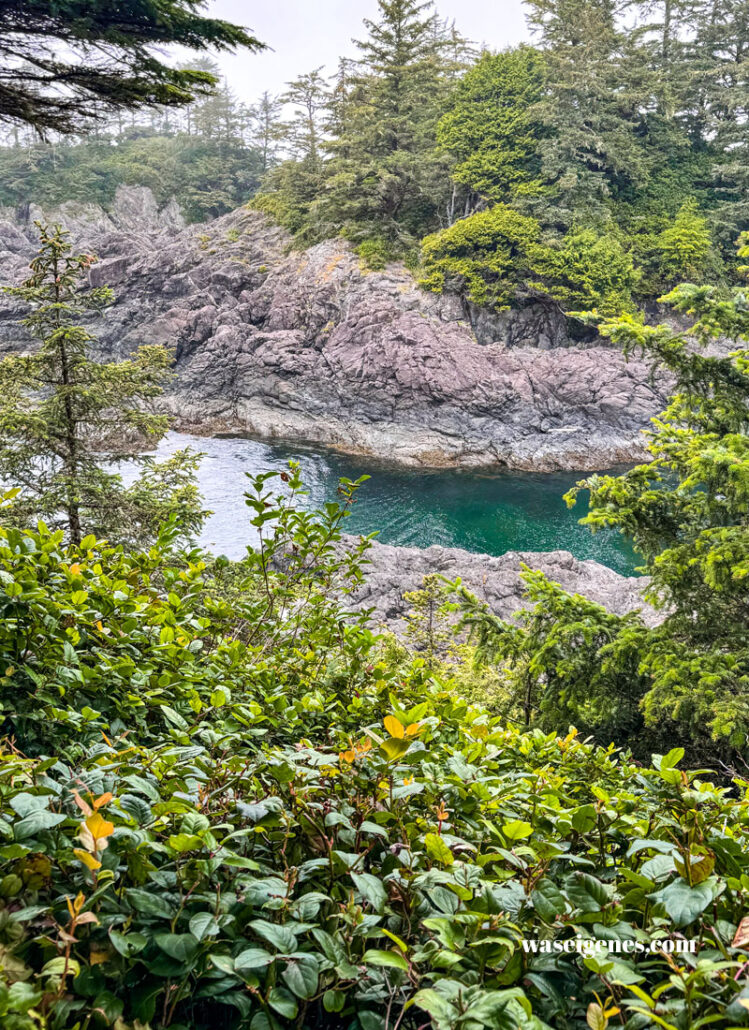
(66, 419)
(659, 49)
(340, 94)
(687, 513)
(428, 628)
(309, 96)
(290, 190)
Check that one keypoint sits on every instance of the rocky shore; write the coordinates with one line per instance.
(314, 347)
(393, 571)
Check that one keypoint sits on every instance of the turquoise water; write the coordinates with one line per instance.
(486, 513)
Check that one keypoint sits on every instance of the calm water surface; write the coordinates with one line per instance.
(486, 513)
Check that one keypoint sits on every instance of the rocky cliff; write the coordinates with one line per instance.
(312, 346)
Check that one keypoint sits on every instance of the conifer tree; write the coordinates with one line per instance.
(66, 63)
(309, 95)
(267, 128)
(385, 178)
(489, 128)
(722, 61)
(587, 109)
(66, 420)
(661, 55)
(686, 511)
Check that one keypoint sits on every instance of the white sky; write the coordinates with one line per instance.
(307, 33)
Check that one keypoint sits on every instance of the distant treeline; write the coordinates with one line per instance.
(210, 156)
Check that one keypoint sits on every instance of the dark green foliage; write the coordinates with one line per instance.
(263, 821)
(722, 47)
(66, 421)
(589, 112)
(686, 512)
(567, 662)
(382, 177)
(67, 64)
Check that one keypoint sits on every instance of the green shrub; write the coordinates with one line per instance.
(685, 246)
(484, 257)
(587, 271)
(498, 257)
(391, 863)
(374, 253)
(681, 250)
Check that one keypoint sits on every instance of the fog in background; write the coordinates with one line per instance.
(307, 33)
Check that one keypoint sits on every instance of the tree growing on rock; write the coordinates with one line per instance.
(68, 421)
(385, 180)
(589, 114)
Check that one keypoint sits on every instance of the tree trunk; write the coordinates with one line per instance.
(72, 505)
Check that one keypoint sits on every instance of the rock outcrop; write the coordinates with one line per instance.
(312, 347)
(392, 571)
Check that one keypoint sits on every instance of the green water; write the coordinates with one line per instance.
(480, 512)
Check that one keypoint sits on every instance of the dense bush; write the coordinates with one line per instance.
(224, 804)
(485, 257)
(384, 869)
(498, 256)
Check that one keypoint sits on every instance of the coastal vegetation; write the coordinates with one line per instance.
(614, 145)
(226, 801)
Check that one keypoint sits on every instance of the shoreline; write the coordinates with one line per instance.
(403, 446)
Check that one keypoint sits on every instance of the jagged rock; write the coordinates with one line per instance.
(393, 571)
(313, 347)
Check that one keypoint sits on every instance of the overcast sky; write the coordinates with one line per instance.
(308, 33)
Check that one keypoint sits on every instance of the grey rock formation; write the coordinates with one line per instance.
(312, 347)
(393, 571)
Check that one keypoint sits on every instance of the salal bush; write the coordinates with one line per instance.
(228, 806)
(218, 882)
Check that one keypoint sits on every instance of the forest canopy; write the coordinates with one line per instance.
(617, 133)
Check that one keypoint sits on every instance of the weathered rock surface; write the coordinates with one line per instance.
(310, 346)
(392, 571)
